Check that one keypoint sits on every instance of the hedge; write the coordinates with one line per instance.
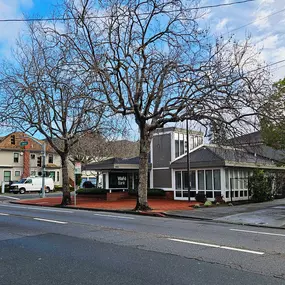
(92, 191)
(150, 192)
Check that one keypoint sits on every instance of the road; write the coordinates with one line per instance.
(41, 245)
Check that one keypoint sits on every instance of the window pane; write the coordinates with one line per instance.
(217, 179)
(7, 176)
(209, 180)
(193, 180)
(17, 173)
(227, 178)
(182, 146)
(185, 179)
(177, 180)
(236, 179)
(176, 148)
(201, 185)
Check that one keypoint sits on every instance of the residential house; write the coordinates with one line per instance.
(19, 160)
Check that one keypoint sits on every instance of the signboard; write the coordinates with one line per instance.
(23, 143)
(118, 180)
(77, 168)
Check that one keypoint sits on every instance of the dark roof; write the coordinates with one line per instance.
(254, 143)
(111, 163)
(218, 156)
(248, 139)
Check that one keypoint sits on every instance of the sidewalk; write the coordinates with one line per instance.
(158, 206)
(267, 214)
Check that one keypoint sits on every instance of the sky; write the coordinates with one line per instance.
(267, 32)
(261, 20)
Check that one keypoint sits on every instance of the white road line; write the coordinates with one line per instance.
(3, 214)
(217, 246)
(260, 233)
(50, 221)
(113, 216)
(37, 208)
(13, 198)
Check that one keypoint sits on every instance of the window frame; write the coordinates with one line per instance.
(16, 157)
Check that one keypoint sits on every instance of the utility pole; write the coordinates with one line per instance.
(43, 169)
(188, 161)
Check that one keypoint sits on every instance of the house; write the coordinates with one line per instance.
(21, 156)
(215, 170)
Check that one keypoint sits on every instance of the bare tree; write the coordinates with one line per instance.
(42, 92)
(158, 65)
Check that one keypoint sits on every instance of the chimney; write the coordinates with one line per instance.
(26, 162)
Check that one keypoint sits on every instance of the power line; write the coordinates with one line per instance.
(110, 16)
(256, 20)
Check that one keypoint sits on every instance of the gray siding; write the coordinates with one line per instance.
(161, 150)
(162, 178)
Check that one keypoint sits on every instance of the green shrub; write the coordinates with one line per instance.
(208, 204)
(260, 186)
(150, 192)
(200, 197)
(92, 191)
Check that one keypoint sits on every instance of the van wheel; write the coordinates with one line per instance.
(47, 190)
(22, 191)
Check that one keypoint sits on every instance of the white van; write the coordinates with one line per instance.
(31, 184)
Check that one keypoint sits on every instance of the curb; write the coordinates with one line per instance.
(152, 214)
(222, 222)
(157, 214)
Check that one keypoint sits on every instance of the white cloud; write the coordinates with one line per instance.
(222, 23)
(262, 21)
(10, 30)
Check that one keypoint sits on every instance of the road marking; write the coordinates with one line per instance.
(113, 216)
(13, 198)
(260, 233)
(50, 221)
(37, 208)
(3, 214)
(217, 246)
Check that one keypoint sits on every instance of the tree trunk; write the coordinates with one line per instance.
(142, 204)
(66, 199)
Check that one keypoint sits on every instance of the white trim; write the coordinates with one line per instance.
(194, 149)
(160, 168)
(162, 133)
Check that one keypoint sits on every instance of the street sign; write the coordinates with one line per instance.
(77, 168)
(23, 143)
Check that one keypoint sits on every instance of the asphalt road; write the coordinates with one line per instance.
(63, 246)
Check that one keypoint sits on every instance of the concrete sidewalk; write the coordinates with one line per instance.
(267, 214)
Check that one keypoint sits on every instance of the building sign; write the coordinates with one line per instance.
(77, 168)
(118, 180)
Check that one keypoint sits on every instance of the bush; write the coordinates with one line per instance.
(201, 198)
(92, 191)
(150, 192)
(196, 206)
(208, 204)
(260, 186)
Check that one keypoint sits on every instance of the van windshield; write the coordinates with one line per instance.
(22, 180)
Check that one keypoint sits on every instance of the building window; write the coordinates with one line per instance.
(52, 175)
(50, 158)
(16, 157)
(33, 156)
(57, 176)
(17, 173)
(33, 173)
(217, 179)
(201, 180)
(227, 178)
(209, 180)
(39, 161)
(7, 176)
(177, 180)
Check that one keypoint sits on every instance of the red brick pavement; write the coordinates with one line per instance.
(127, 204)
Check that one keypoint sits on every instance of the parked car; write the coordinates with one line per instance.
(32, 184)
(88, 184)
